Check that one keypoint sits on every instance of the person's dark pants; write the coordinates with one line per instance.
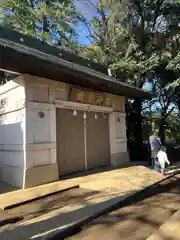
(153, 162)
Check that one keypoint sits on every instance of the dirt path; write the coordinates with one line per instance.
(137, 221)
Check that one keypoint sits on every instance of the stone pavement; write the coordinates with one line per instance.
(112, 186)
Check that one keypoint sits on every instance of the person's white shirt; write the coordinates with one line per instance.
(162, 158)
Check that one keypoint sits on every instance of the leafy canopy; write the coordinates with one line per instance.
(52, 21)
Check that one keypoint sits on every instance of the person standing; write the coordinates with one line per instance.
(162, 159)
(155, 145)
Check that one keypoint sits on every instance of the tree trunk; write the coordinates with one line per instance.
(162, 131)
(162, 134)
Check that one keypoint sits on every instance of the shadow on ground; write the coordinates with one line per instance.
(140, 216)
(51, 225)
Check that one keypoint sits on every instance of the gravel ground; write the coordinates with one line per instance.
(137, 221)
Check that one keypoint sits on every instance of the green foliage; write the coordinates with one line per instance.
(48, 19)
(173, 128)
(137, 38)
(140, 40)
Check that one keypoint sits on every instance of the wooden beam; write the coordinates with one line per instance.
(9, 71)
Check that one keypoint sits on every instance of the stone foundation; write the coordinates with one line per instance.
(118, 159)
(41, 175)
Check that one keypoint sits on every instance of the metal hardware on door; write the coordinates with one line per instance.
(41, 114)
(118, 119)
(74, 113)
(84, 116)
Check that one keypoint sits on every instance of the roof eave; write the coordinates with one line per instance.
(94, 79)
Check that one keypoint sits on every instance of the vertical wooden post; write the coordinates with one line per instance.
(138, 124)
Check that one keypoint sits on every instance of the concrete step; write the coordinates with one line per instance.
(170, 230)
(23, 196)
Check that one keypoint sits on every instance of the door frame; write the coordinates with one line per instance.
(85, 107)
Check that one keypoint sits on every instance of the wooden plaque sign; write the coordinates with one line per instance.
(88, 97)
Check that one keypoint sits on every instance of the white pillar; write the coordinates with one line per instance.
(118, 141)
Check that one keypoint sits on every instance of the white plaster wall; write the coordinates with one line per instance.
(12, 158)
(41, 135)
(44, 90)
(62, 92)
(12, 128)
(41, 132)
(12, 132)
(118, 141)
(38, 130)
(38, 93)
(40, 157)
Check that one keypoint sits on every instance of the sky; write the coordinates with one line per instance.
(88, 9)
(83, 34)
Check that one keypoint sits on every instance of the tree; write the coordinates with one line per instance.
(141, 42)
(107, 37)
(51, 21)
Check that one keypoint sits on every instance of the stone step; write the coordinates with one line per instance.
(23, 196)
(170, 230)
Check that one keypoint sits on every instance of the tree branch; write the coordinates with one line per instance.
(168, 113)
